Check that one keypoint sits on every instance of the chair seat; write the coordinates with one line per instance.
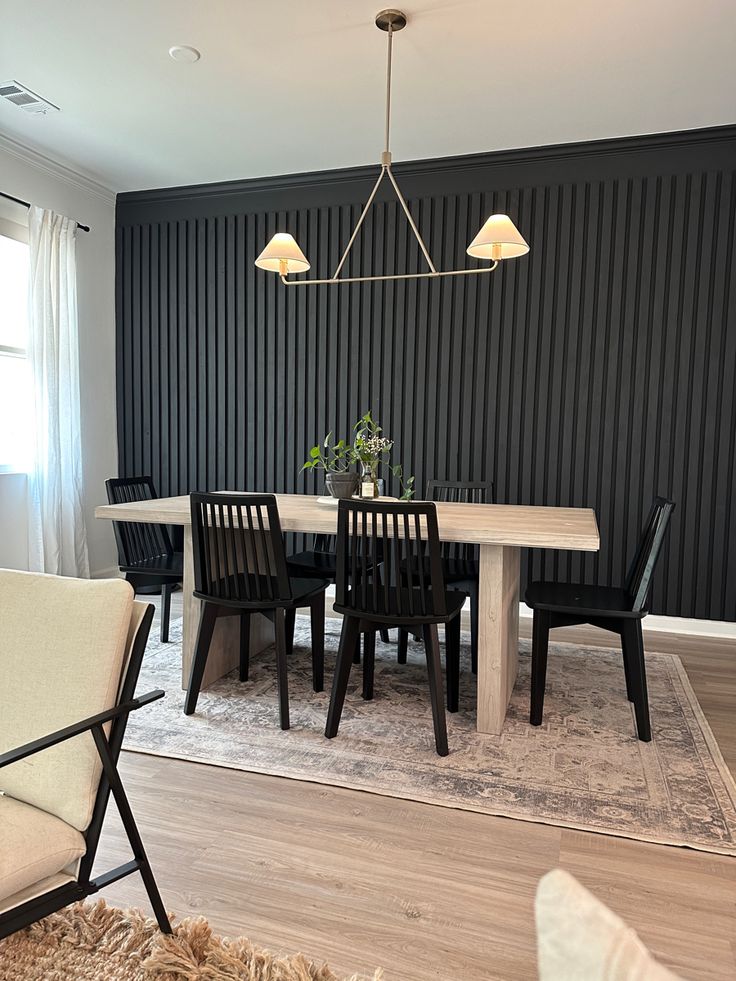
(35, 845)
(302, 590)
(40, 888)
(159, 565)
(576, 598)
(460, 570)
(387, 607)
(453, 570)
(312, 564)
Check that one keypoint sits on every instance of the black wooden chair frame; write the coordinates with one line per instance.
(355, 562)
(270, 594)
(149, 540)
(108, 748)
(626, 622)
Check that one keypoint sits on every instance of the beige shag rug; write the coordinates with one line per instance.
(583, 768)
(96, 942)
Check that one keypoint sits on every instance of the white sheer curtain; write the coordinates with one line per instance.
(57, 540)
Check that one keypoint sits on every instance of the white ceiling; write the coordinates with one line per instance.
(298, 85)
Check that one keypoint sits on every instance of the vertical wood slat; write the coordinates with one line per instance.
(597, 371)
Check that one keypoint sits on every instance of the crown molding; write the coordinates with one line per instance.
(35, 158)
(436, 165)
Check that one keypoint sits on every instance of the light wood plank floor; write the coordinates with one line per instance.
(424, 891)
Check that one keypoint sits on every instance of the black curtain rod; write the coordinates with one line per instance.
(26, 204)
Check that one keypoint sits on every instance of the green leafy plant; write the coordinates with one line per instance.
(407, 486)
(330, 457)
(370, 448)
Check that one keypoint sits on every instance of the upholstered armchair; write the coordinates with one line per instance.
(70, 655)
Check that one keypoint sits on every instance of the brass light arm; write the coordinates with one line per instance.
(375, 279)
(409, 218)
(363, 213)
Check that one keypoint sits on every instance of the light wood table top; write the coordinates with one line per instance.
(482, 524)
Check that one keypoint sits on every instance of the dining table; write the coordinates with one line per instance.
(499, 530)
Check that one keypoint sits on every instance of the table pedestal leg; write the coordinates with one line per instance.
(498, 633)
(224, 653)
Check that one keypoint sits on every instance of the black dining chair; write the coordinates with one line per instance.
(240, 569)
(459, 560)
(145, 552)
(317, 562)
(618, 609)
(411, 596)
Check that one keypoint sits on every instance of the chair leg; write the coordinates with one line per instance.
(626, 652)
(131, 829)
(349, 636)
(356, 650)
(403, 645)
(384, 634)
(207, 619)
(452, 663)
(633, 641)
(317, 613)
(290, 619)
(165, 611)
(540, 643)
(434, 670)
(369, 660)
(472, 590)
(279, 622)
(244, 646)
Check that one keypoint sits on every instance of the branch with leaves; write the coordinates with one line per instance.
(332, 458)
(407, 486)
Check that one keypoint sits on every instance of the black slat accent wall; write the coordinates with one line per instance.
(599, 370)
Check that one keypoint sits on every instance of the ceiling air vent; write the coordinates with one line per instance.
(24, 98)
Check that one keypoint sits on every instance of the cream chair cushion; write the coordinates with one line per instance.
(35, 845)
(62, 651)
(580, 939)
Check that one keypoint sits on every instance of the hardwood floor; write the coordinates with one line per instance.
(423, 891)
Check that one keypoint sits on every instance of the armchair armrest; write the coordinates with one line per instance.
(45, 742)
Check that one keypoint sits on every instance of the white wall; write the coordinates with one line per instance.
(32, 177)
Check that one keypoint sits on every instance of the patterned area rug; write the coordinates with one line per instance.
(583, 768)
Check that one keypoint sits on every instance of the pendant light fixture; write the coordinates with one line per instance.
(498, 239)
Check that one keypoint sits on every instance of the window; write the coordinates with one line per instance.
(16, 406)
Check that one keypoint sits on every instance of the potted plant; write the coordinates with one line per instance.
(334, 459)
(370, 449)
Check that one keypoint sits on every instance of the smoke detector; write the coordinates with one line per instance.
(24, 98)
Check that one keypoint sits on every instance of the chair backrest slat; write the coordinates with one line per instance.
(138, 542)
(639, 577)
(239, 554)
(324, 543)
(460, 492)
(388, 559)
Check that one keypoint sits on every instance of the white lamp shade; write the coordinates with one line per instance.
(499, 238)
(282, 255)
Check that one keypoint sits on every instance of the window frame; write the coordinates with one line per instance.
(10, 228)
